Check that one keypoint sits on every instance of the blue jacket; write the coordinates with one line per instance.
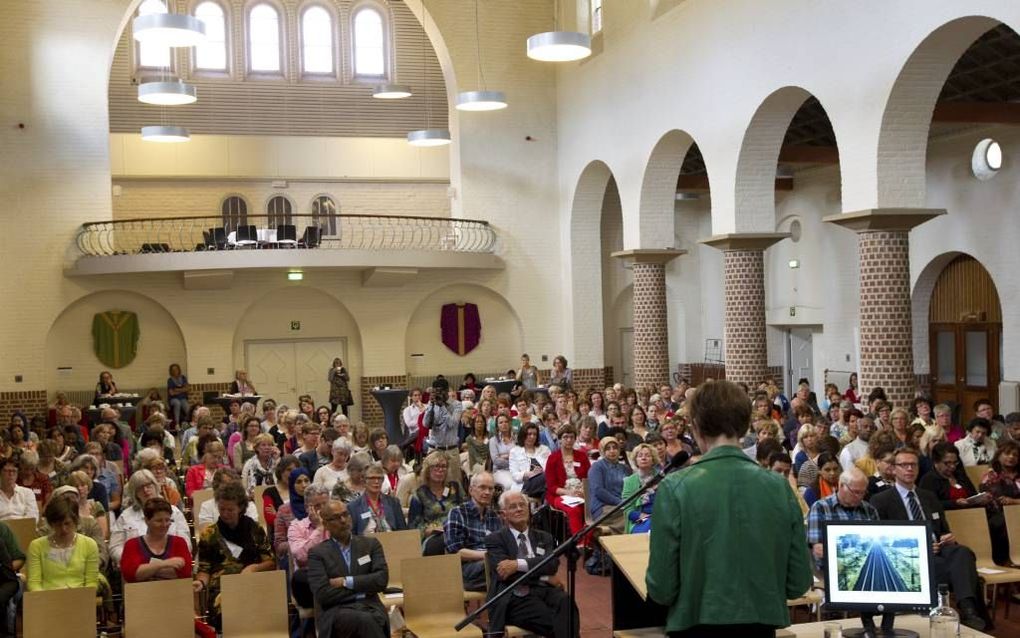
(605, 484)
(361, 512)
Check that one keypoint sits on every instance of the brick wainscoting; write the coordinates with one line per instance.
(371, 413)
(31, 402)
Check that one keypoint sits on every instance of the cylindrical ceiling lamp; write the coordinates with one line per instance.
(559, 46)
(167, 93)
(429, 137)
(391, 91)
(481, 101)
(169, 29)
(164, 133)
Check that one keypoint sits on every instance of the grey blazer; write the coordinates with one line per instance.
(370, 578)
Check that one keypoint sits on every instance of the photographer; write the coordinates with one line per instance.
(442, 420)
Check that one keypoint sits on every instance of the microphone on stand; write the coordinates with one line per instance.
(678, 461)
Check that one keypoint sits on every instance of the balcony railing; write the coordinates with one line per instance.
(342, 232)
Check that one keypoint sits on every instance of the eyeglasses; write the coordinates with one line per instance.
(857, 493)
(907, 466)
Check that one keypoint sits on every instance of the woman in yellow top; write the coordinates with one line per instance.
(63, 558)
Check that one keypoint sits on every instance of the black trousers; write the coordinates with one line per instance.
(343, 408)
(301, 589)
(360, 620)
(543, 611)
(726, 631)
(956, 565)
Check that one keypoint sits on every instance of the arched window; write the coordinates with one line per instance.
(152, 55)
(279, 210)
(369, 43)
(324, 214)
(316, 40)
(235, 212)
(211, 55)
(264, 39)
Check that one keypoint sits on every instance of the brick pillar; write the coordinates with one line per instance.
(651, 326)
(746, 353)
(886, 327)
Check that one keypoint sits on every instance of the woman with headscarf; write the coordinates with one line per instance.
(293, 509)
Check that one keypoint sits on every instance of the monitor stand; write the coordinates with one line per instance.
(869, 630)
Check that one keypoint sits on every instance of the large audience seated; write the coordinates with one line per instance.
(305, 489)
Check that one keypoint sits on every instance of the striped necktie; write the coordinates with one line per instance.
(522, 552)
(915, 507)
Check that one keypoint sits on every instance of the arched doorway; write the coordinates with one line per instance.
(965, 333)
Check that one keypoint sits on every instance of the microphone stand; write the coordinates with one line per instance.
(569, 547)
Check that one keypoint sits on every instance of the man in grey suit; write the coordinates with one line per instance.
(952, 563)
(346, 573)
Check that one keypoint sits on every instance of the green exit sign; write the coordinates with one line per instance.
(295, 325)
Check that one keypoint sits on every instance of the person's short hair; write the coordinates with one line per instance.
(979, 422)
(825, 458)
(374, 470)
(329, 435)
(205, 421)
(233, 492)
(882, 405)
(264, 438)
(828, 443)
(808, 429)
(205, 441)
(376, 434)
(767, 424)
(1012, 417)
(908, 450)
(78, 478)
(653, 438)
(59, 510)
(779, 457)
(651, 450)
(287, 463)
(881, 443)
(477, 478)
(566, 429)
(851, 474)
(152, 435)
(358, 463)
(720, 408)
(391, 453)
(223, 476)
(315, 490)
(311, 427)
(899, 412)
(85, 459)
(982, 401)
(341, 444)
(155, 505)
(507, 496)
(941, 449)
(433, 458)
(522, 434)
(766, 449)
(942, 408)
(802, 409)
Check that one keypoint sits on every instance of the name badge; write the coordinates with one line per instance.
(577, 464)
(366, 515)
(446, 491)
(540, 551)
(935, 516)
(364, 560)
(958, 486)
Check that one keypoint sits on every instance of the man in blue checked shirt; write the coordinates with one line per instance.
(847, 504)
(467, 526)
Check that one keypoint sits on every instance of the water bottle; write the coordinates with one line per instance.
(943, 620)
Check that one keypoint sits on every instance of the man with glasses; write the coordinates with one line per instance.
(953, 563)
(346, 573)
(466, 527)
(847, 504)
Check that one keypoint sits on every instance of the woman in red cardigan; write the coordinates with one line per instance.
(563, 474)
(157, 555)
(199, 477)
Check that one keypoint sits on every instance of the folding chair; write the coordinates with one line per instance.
(24, 530)
(970, 526)
(310, 238)
(286, 235)
(1012, 514)
(434, 597)
(255, 605)
(975, 472)
(198, 497)
(246, 237)
(76, 617)
(257, 497)
(159, 609)
(398, 547)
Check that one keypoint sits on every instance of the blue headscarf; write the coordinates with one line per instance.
(297, 501)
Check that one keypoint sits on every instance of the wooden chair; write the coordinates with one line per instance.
(398, 547)
(434, 597)
(812, 597)
(601, 529)
(24, 530)
(254, 605)
(198, 497)
(257, 497)
(975, 472)
(970, 526)
(1012, 514)
(159, 609)
(76, 617)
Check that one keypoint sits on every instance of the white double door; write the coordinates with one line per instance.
(285, 369)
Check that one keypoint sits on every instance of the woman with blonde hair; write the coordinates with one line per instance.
(639, 513)
(87, 507)
(899, 419)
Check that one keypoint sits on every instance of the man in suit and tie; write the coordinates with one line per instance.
(345, 573)
(953, 563)
(539, 605)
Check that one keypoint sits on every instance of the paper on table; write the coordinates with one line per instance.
(989, 570)
(572, 501)
(395, 595)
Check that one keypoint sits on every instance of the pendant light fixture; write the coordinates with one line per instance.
(165, 133)
(167, 93)
(391, 91)
(168, 29)
(427, 136)
(483, 99)
(559, 46)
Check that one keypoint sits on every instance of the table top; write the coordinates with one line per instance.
(911, 621)
(248, 398)
(390, 391)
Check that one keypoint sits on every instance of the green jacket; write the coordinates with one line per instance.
(728, 544)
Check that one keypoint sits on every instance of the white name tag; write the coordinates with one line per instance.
(540, 551)
(935, 516)
(364, 560)
(577, 464)
(366, 515)
(446, 492)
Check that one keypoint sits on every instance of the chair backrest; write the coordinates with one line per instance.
(1012, 514)
(970, 527)
(311, 236)
(432, 584)
(286, 232)
(76, 617)
(257, 497)
(255, 605)
(247, 233)
(198, 497)
(587, 511)
(159, 608)
(975, 472)
(24, 530)
(398, 547)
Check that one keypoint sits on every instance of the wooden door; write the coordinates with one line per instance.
(271, 369)
(965, 333)
(312, 359)
(965, 364)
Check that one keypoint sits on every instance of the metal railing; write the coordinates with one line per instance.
(350, 232)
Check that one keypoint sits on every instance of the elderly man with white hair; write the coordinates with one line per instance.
(466, 527)
(847, 504)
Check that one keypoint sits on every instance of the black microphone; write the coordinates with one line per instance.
(678, 461)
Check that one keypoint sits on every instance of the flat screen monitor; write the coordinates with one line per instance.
(878, 566)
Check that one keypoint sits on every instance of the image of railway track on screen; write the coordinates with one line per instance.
(878, 562)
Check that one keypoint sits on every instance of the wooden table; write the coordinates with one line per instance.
(912, 622)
